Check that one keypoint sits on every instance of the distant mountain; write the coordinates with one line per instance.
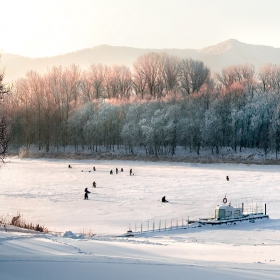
(230, 52)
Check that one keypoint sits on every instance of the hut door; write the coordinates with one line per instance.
(222, 213)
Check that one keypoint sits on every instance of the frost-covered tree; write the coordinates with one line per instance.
(171, 128)
(153, 130)
(79, 130)
(274, 129)
(214, 131)
(132, 133)
(263, 108)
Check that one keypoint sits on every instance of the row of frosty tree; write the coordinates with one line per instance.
(162, 103)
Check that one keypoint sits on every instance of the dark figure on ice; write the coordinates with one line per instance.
(121, 169)
(164, 200)
(94, 169)
(227, 178)
(111, 172)
(94, 184)
(130, 172)
(69, 166)
(117, 170)
(86, 193)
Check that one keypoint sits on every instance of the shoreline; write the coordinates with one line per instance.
(215, 159)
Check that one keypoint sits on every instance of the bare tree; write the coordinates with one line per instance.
(237, 83)
(227, 77)
(4, 130)
(96, 76)
(4, 137)
(169, 72)
(148, 66)
(64, 86)
(124, 81)
(118, 82)
(269, 78)
(192, 75)
(139, 82)
(85, 85)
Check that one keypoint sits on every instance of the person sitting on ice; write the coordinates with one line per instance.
(94, 184)
(111, 172)
(94, 169)
(86, 193)
(227, 178)
(121, 169)
(164, 199)
(69, 166)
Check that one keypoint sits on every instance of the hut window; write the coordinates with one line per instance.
(236, 213)
(229, 213)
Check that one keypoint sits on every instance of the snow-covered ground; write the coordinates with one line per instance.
(51, 194)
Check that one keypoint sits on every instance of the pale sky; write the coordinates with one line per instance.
(38, 28)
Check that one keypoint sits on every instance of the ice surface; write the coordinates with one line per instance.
(50, 193)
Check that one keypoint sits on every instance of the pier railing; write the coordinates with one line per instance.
(162, 225)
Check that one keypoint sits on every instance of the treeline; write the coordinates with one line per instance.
(162, 103)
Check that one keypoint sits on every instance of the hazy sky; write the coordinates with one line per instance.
(49, 27)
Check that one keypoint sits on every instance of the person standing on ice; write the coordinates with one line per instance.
(86, 193)
(130, 172)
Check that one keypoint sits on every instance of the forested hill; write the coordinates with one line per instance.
(217, 57)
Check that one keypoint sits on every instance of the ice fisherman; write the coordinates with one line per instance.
(164, 199)
(94, 184)
(86, 193)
